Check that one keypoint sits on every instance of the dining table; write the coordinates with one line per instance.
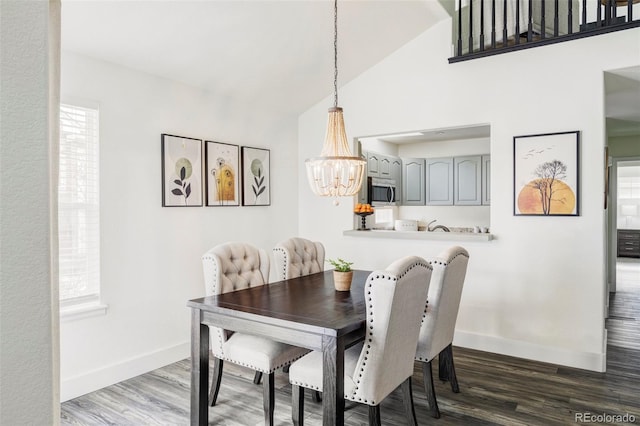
(305, 311)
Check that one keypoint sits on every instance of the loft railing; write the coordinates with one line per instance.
(488, 27)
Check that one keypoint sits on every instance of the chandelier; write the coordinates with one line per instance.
(336, 173)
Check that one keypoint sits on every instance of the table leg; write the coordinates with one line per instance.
(199, 370)
(332, 381)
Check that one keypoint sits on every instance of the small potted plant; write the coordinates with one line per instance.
(342, 274)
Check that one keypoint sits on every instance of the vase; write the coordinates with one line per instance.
(342, 280)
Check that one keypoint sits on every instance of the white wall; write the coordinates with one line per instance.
(150, 255)
(29, 60)
(537, 290)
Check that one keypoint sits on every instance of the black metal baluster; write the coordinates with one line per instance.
(629, 10)
(493, 24)
(599, 6)
(470, 27)
(481, 25)
(570, 18)
(530, 29)
(517, 21)
(614, 11)
(459, 27)
(504, 25)
(607, 13)
(555, 20)
(543, 25)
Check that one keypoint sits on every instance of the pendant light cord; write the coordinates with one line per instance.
(335, 53)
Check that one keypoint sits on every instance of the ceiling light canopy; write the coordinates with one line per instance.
(337, 172)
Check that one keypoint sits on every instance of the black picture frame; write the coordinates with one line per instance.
(181, 171)
(546, 174)
(256, 176)
(222, 174)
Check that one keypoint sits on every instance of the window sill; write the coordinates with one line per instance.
(86, 310)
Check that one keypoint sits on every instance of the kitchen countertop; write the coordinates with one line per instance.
(420, 235)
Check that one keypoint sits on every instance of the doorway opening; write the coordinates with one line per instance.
(623, 322)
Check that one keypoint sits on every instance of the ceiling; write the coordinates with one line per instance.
(277, 55)
(263, 53)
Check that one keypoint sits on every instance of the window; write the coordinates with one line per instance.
(78, 207)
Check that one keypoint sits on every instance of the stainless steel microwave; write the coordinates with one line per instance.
(382, 192)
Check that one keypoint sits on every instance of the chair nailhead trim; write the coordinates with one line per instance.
(253, 367)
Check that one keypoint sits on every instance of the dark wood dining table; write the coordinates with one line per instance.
(305, 311)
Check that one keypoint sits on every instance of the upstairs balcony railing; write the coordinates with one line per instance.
(488, 27)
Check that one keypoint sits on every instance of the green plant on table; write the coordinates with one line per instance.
(341, 265)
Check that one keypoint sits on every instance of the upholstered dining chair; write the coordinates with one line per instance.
(235, 266)
(395, 301)
(296, 257)
(439, 320)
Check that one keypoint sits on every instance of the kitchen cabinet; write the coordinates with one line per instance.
(486, 180)
(396, 173)
(439, 181)
(373, 164)
(384, 169)
(628, 242)
(413, 182)
(467, 180)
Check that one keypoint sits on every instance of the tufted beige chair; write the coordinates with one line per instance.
(296, 257)
(396, 299)
(236, 266)
(439, 321)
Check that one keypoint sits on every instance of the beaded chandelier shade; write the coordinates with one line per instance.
(336, 173)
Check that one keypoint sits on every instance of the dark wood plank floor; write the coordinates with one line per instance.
(494, 390)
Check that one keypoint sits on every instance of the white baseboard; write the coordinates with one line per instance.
(585, 360)
(73, 387)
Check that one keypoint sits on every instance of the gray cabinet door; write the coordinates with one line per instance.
(439, 181)
(486, 180)
(373, 164)
(468, 181)
(385, 167)
(413, 181)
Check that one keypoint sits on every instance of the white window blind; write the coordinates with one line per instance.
(78, 206)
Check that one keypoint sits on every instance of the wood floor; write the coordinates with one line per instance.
(494, 389)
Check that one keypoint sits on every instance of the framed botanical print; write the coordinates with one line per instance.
(546, 174)
(256, 182)
(222, 173)
(181, 171)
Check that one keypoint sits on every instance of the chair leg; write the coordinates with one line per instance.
(407, 399)
(316, 396)
(443, 372)
(215, 381)
(427, 376)
(268, 397)
(451, 370)
(297, 405)
(374, 415)
(257, 378)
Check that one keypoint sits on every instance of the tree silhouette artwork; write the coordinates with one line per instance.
(549, 189)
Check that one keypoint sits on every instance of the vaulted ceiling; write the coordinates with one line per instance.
(274, 54)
